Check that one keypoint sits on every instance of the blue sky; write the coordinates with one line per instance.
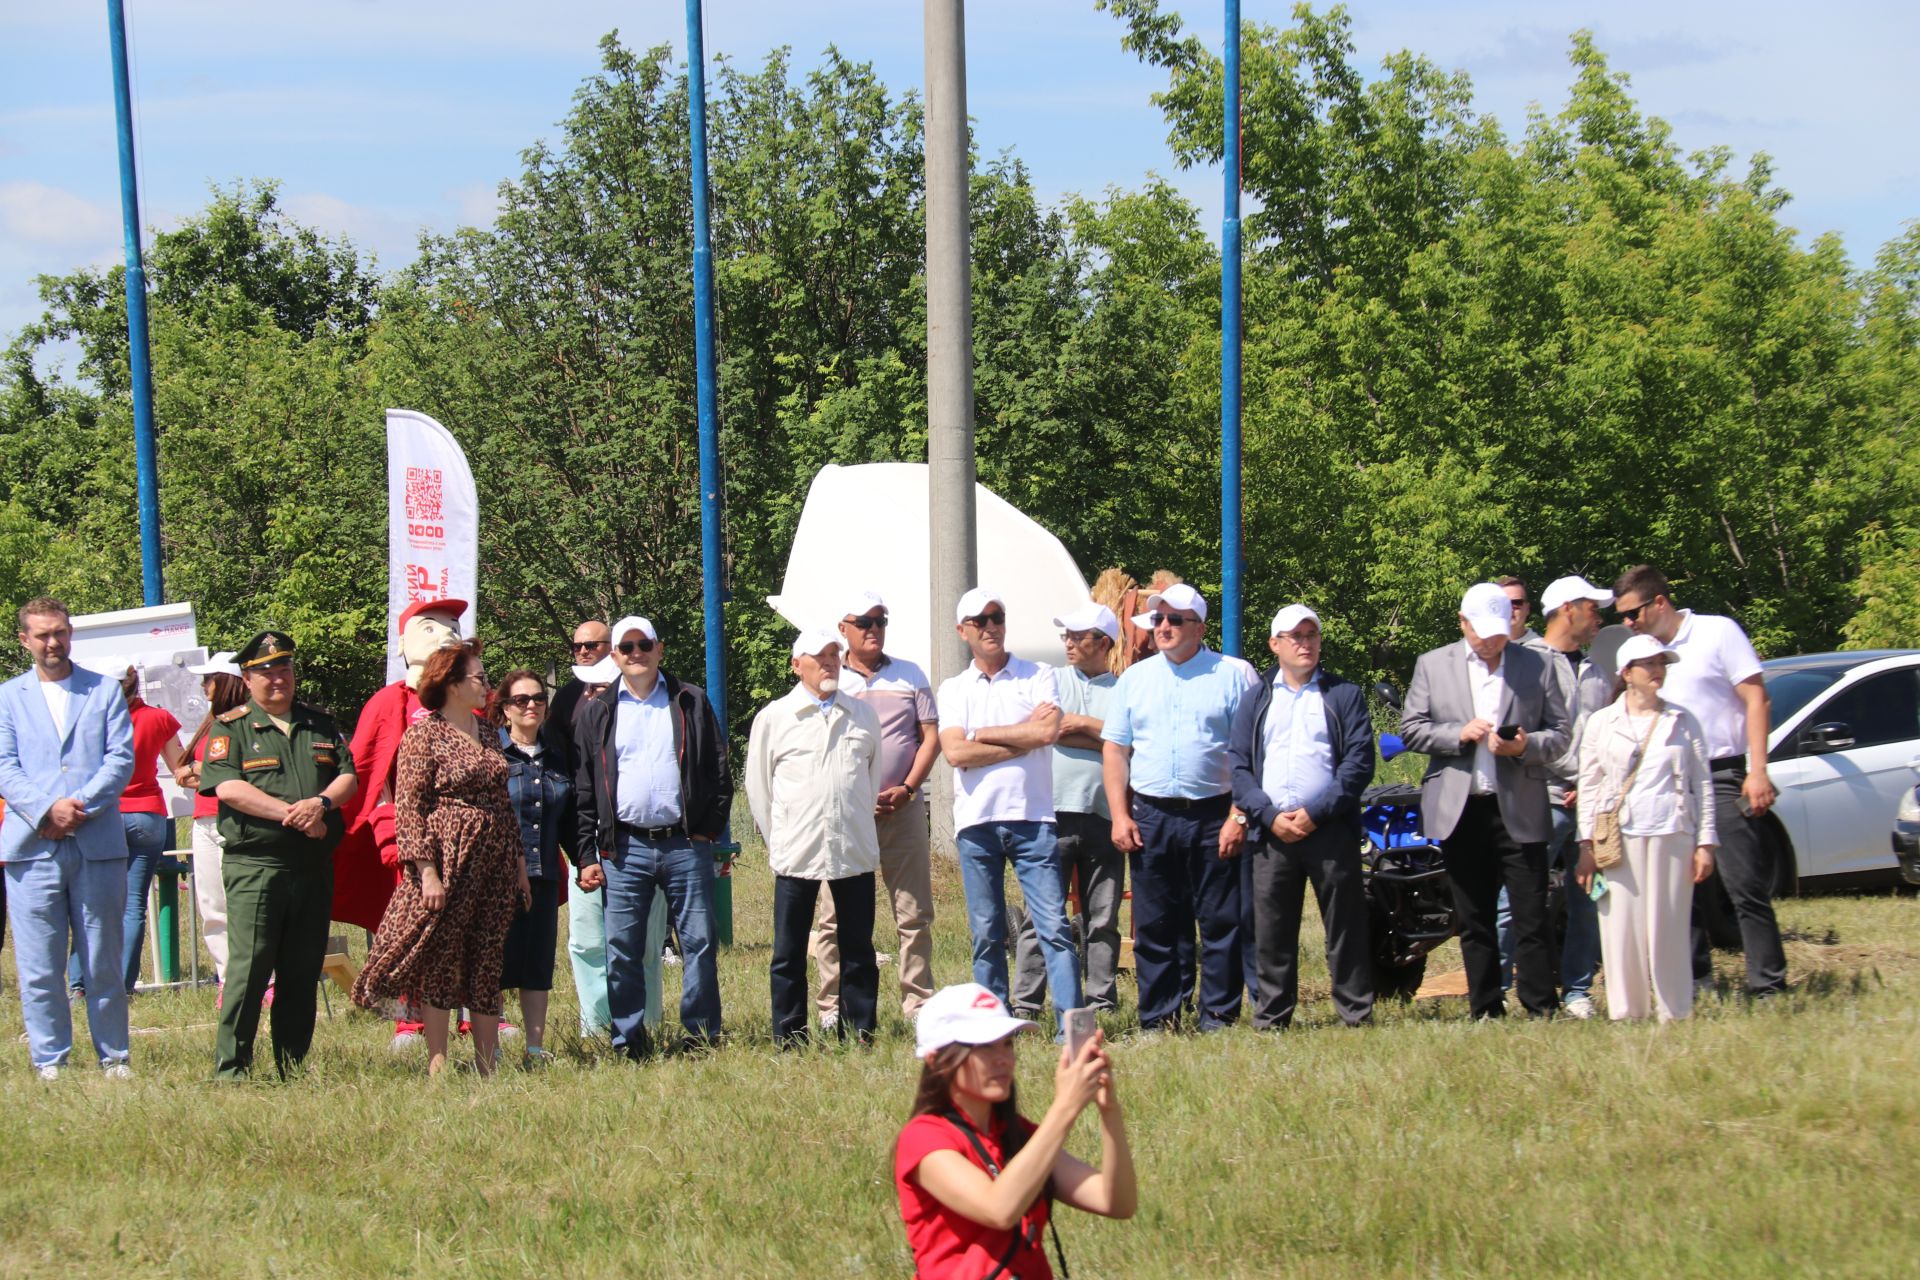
(381, 117)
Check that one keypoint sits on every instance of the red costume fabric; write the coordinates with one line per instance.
(366, 867)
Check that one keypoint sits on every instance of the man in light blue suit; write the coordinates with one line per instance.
(66, 752)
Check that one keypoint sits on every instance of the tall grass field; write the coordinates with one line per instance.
(1779, 1140)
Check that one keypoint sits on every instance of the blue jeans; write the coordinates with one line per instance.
(48, 900)
(683, 872)
(1580, 953)
(985, 850)
(148, 835)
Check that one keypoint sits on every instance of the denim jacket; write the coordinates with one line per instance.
(542, 796)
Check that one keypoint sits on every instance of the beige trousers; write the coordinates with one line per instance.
(210, 892)
(1645, 945)
(906, 867)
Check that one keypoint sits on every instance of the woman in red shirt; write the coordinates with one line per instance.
(976, 1179)
(143, 810)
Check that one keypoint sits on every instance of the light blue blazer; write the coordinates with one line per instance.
(91, 763)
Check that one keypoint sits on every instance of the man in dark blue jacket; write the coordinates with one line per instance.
(1302, 751)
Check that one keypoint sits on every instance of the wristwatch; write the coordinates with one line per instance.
(326, 803)
(1239, 817)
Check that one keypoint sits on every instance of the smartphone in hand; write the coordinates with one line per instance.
(1508, 732)
(1081, 1024)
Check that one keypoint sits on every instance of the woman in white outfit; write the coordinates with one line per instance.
(220, 681)
(1656, 753)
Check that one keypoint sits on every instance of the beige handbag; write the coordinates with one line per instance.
(1609, 846)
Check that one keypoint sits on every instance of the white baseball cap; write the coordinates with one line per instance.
(1564, 591)
(1638, 648)
(814, 641)
(862, 603)
(632, 622)
(1091, 617)
(1487, 610)
(1178, 596)
(966, 1013)
(108, 664)
(975, 603)
(220, 664)
(1290, 617)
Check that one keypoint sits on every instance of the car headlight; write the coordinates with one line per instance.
(1909, 810)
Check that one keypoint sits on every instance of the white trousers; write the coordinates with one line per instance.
(1645, 944)
(210, 891)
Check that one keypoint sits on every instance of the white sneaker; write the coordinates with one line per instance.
(404, 1041)
(48, 1072)
(830, 1019)
(1580, 1007)
(117, 1071)
(668, 958)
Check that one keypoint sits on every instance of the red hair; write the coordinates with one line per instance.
(444, 669)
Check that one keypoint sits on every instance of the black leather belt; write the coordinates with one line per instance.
(1728, 764)
(1177, 803)
(652, 833)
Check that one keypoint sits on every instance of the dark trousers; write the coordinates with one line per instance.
(793, 904)
(1330, 858)
(1084, 846)
(1744, 864)
(1482, 856)
(1181, 882)
(277, 914)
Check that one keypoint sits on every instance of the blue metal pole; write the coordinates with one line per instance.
(713, 592)
(1231, 560)
(146, 461)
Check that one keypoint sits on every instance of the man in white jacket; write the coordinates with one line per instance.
(813, 773)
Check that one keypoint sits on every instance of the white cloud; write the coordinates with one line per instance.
(34, 213)
(477, 205)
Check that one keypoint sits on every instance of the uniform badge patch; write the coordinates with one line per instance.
(261, 762)
(217, 748)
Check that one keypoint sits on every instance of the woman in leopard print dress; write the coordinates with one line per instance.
(442, 937)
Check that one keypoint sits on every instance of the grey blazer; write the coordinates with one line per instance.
(1439, 704)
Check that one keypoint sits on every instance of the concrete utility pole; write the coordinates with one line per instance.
(952, 550)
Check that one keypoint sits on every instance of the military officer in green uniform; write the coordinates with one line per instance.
(280, 770)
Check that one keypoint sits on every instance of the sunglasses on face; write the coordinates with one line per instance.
(1081, 637)
(525, 700)
(1521, 603)
(1171, 620)
(868, 624)
(995, 619)
(630, 647)
(1633, 614)
(578, 645)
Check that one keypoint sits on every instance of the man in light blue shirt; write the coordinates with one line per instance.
(1169, 785)
(649, 786)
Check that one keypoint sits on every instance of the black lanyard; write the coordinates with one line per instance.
(1025, 1233)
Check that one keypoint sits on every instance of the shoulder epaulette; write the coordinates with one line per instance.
(228, 717)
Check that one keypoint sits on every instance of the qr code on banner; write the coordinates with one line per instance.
(423, 493)
(423, 585)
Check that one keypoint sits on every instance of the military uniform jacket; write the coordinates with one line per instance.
(246, 744)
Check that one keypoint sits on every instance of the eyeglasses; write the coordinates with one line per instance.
(578, 645)
(525, 700)
(1301, 638)
(1081, 637)
(997, 618)
(1633, 614)
(479, 677)
(630, 647)
(868, 624)
(1170, 619)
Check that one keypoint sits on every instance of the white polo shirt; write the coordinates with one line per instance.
(1715, 655)
(1016, 790)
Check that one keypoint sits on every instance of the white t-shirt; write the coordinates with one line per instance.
(1016, 790)
(1715, 655)
(58, 693)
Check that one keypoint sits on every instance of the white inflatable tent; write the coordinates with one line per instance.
(866, 528)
